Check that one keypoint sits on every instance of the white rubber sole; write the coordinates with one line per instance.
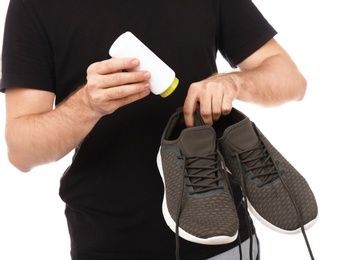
(275, 228)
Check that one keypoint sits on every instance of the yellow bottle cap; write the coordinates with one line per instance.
(170, 89)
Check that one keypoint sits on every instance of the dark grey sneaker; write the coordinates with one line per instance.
(277, 194)
(197, 203)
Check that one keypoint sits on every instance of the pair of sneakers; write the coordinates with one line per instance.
(198, 203)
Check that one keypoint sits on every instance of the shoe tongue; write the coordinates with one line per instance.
(243, 135)
(198, 141)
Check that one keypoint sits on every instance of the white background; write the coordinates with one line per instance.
(317, 135)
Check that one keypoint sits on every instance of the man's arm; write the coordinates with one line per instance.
(37, 134)
(268, 77)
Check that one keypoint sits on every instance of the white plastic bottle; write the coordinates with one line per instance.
(163, 81)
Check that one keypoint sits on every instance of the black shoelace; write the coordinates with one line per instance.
(260, 163)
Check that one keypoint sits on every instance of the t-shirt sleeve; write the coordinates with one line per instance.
(243, 30)
(26, 56)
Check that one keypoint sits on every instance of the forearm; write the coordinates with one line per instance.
(275, 81)
(35, 139)
(268, 77)
(37, 134)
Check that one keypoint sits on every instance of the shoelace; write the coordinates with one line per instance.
(201, 179)
(259, 161)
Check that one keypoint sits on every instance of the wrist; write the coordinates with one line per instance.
(81, 104)
(238, 82)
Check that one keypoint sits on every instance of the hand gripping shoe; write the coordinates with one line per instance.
(197, 203)
(275, 191)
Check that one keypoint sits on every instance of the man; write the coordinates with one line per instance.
(56, 52)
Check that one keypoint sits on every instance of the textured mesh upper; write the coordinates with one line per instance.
(205, 216)
(271, 200)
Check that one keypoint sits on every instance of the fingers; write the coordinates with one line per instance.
(189, 108)
(110, 85)
(123, 91)
(117, 79)
(114, 72)
(106, 101)
(214, 96)
(124, 98)
(113, 65)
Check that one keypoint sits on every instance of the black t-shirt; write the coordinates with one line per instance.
(112, 190)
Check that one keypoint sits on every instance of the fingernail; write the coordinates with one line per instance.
(146, 75)
(146, 85)
(135, 62)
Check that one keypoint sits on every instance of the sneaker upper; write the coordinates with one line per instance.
(196, 188)
(277, 194)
